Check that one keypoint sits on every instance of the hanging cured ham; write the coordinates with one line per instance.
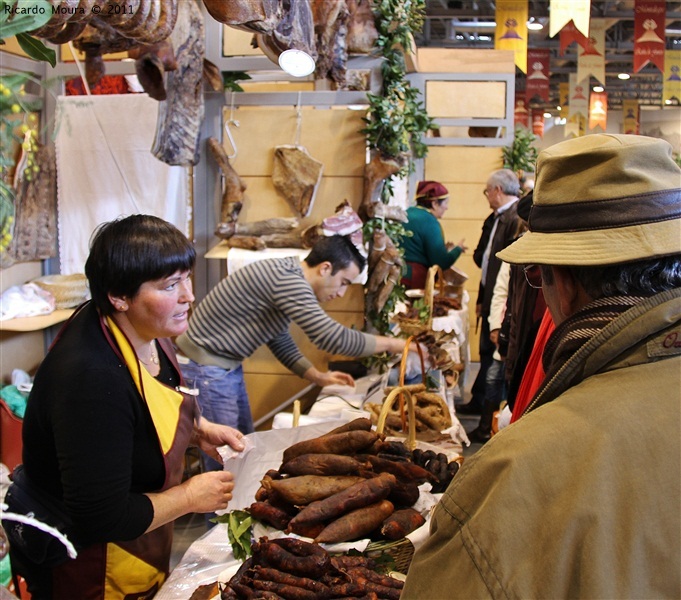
(295, 30)
(258, 16)
(180, 115)
(331, 26)
(296, 176)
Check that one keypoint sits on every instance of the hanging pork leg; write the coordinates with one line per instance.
(180, 115)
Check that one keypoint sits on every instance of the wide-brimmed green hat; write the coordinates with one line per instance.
(602, 199)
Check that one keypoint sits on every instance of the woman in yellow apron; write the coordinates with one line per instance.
(108, 422)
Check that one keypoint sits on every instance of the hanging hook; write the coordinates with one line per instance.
(228, 131)
(299, 120)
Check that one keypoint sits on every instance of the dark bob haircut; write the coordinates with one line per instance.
(130, 251)
(338, 250)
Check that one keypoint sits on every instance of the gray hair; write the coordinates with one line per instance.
(507, 180)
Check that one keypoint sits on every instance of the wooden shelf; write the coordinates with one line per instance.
(36, 323)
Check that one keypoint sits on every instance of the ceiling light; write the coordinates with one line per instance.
(547, 115)
(624, 76)
(296, 63)
(534, 25)
(598, 89)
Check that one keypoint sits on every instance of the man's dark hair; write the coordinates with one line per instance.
(641, 278)
(130, 251)
(338, 250)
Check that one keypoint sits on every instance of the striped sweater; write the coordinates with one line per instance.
(256, 305)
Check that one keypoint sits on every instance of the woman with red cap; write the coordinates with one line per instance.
(426, 246)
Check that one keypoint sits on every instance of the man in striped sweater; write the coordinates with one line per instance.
(255, 306)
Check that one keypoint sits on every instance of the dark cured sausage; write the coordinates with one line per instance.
(293, 556)
(268, 574)
(356, 496)
(356, 524)
(362, 424)
(401, 523)
(308, 488)
(270, 515)
(348, 442)
(323, 464)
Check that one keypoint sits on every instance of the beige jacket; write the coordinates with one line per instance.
(580, 498)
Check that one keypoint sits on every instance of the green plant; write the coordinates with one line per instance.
(18, 18)
(521, 155)
(397, 119)
(230, 79)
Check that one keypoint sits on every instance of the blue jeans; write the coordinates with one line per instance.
(222, 398)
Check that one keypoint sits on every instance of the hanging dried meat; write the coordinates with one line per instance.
(294, 31)
(362, 33)
(180, 115)
(259, 16)
(296, 176)
(35, 227)
(331, 26)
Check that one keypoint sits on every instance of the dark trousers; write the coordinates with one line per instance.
(478, 390)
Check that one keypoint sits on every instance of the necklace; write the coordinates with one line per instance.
(153, 357)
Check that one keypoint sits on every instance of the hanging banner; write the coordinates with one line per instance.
(570, 34)
(538, 122)
(564, 11)
(630, 110)
(598, 110)
(575, 126)
(511, 31)
(564, 98)
(649, 23)
(591, 60)
(671, 87)
(537, 74)
(521, 115)
(579, 101)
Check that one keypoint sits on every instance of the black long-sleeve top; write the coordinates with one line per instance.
(88, 435)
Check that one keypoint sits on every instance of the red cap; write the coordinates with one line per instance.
(429, 191)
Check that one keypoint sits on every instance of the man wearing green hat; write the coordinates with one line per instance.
(581, 497)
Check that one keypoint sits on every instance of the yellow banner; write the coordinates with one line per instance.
(564, 98)
(591, 60)
(575, 126)
(511, 31)
(630, 116)
(672, 75)
(563, 11)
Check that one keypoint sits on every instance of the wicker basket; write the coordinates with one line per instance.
(68, 290)
(412, 327)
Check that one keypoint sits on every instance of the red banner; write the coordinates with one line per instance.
(598, 110)
(630, 110)
(521, 114)
(570, 34)
(537, 75)
(538, 122)
(649, 43)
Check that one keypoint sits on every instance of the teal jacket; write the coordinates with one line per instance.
(426, 246)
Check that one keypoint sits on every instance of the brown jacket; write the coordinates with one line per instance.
(580, 498)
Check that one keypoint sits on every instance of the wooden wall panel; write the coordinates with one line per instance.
(330, 136)
(461, 99)
(450, 60)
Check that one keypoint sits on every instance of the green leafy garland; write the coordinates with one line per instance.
(397, 119)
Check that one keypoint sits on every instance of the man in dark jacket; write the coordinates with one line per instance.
(498, 231)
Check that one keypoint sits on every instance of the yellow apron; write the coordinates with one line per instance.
(136, 569)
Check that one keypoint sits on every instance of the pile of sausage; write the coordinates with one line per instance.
(347, 485)
(293, 569)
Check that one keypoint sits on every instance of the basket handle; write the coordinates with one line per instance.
(403, 370)
(434, 273)
(385, 409)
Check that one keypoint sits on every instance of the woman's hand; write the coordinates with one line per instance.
(208, 492)
(462, 244)
(209, 436)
